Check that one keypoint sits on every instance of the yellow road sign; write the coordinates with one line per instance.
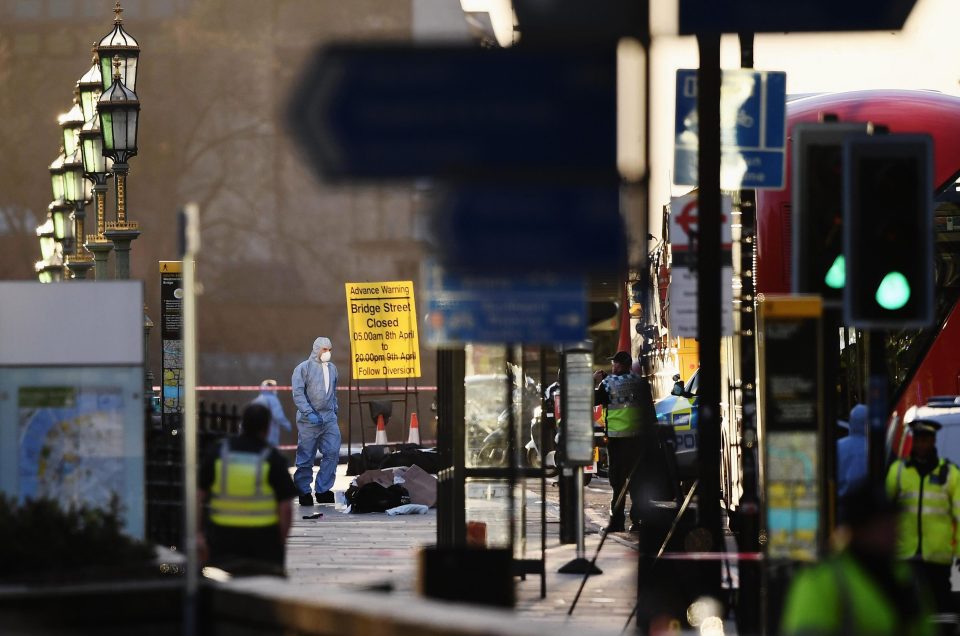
(384, 339)
(171, 267)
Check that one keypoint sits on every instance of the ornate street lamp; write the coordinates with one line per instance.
(71, 122)
(56, 176)
(50, 268)
(118, 44)
(90, 86)
(76, 194)
(96, 166)
(119, 111)
(58, 211)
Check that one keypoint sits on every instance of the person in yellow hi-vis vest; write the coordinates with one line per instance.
(863, 589)
(631, 422)
(245, 489)
(927, 487)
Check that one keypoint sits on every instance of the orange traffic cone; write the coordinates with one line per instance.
(414, 436)
(381, 432)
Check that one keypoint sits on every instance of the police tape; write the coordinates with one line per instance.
(713, 556)
(257, 387)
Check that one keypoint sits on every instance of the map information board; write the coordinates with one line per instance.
(171, 335)
(71, 444)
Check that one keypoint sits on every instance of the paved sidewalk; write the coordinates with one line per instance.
(350, 552)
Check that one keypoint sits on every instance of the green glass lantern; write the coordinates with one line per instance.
(48, 242)
(73, 188)
(62, 223)
(90, 86)
(70, 123)
(56, 176)
(119, 110)
(91, 149)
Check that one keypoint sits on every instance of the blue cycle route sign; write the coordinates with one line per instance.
(752, 129)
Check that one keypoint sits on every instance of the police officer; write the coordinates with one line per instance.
(928, 489)
(863, 589)
(246, 486)
(630, 420)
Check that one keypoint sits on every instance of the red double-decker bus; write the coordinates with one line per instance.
(921, 363)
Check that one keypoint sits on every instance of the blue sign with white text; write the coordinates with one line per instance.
(752, 129)
(529, 309)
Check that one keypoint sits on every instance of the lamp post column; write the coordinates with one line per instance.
(80, 261)
(97, 244)
(121, 232)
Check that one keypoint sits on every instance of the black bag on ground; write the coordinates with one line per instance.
(373, 497)
(427, 460)
(354, 465)
(369, 458)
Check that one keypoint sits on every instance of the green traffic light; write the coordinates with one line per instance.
(837, 274)
(893, 292)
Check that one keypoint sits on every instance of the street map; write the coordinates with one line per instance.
(71, 444)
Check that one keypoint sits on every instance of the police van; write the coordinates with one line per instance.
(679, 410)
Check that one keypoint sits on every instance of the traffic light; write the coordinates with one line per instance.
(817, 208)
(888, 231)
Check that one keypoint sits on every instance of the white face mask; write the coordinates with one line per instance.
(325, 356)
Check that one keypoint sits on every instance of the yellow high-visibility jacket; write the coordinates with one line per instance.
(624, 409)
(241, 495)
(930, 518)
(837, 597)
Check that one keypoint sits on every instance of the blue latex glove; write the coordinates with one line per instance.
(314, 418)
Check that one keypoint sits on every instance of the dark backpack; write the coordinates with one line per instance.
(373, 497)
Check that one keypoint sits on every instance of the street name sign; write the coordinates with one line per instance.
(524, 308)
(752, 129)
(458, 112)
(384, 339)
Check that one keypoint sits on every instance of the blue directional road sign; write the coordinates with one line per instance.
(503, 229)
(530, 309)
(456, 112)
(752, 129)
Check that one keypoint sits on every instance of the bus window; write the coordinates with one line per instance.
(907, 347)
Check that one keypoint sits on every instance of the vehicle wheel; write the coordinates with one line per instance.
(587, 477)
(534, 461)
(491, 456)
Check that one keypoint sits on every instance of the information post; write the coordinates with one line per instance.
(171, 337)
(791, 394)
(384, 339)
